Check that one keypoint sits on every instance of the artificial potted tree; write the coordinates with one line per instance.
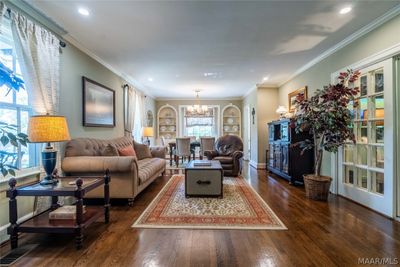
(327, 117)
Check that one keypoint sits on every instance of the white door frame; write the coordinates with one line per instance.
(382, 203)
(396, 115)
(247, 132)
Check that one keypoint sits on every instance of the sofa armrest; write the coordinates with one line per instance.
(86, 164)
(210, 154)
(158, 151)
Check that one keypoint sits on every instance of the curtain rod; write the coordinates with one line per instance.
(16, 5)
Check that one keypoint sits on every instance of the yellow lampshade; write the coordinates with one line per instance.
(47, 128)
(147, 131)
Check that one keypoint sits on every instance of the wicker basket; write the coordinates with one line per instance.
(317, 187)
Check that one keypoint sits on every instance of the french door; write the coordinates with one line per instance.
(366, 168)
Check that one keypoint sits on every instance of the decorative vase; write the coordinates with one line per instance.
(317, 187)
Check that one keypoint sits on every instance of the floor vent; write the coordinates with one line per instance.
(16, 254)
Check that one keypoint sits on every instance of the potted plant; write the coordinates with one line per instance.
(327, 117)
(8, 132)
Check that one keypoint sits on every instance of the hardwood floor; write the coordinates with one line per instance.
(336, 233)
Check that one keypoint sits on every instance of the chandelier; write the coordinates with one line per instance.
(197, 109)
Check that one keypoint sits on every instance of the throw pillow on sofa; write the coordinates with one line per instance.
(142, 151)
(127, 151)
(109, 151)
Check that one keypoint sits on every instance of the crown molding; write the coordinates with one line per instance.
(351, 38)
(201, 99)
(137, 85)
(249, 92)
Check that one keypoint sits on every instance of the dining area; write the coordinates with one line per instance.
(227, 149)
(184, 149)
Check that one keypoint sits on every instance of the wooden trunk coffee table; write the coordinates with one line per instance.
(66, 186)
(203, 180)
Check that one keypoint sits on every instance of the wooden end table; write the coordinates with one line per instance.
(66, 186)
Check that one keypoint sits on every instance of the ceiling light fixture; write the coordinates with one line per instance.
(150, 79)
(197, 109)
(345, 10)
(83, 11)
(265, 78)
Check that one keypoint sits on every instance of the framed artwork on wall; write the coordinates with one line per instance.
(292, 97)
(98, 104)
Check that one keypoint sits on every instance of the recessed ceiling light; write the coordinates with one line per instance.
(83, 11)
(265, 78)
(345, 10)
(150, 79)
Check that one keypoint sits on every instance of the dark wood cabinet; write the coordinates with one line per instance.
(283, 158)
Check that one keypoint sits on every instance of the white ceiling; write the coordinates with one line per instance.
(223, 48)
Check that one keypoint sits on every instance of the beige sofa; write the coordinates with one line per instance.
(129, 175)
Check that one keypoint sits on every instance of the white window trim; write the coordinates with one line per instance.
(181, 116)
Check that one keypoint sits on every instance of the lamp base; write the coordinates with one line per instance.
(49, 160)
(48, 180)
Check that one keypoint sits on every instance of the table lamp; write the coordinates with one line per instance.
(47, 129)
(147, 132)
(281, 111)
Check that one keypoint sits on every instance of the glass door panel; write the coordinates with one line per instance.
(366, 167)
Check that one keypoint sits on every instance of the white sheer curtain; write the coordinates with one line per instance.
(139, 116)
(39, 53)
(129, 109)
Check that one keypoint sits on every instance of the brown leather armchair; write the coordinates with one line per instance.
(229, 152)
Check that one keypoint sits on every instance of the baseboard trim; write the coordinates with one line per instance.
(258, 166)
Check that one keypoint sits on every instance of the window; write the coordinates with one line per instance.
(14, 106)
(199, 126)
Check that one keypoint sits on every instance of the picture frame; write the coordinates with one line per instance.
(292, 96)
(98, 105)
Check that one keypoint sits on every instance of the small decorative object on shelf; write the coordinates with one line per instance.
(67, 212)
(281, 110)
(328, 107)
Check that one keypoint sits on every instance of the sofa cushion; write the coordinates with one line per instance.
(142, 151)
(93, 147)
(109, 151)
(224, 160)
(148, 167)
(127, 151)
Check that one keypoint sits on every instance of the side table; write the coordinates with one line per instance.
(66, 186)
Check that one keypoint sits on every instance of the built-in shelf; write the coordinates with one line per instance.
(167, 112)
(231, 119)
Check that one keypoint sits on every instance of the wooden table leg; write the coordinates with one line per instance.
(107, 179)
(54, 202)
(79, 214)
(12, 230)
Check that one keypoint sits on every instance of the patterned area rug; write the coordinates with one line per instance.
(241, 208)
